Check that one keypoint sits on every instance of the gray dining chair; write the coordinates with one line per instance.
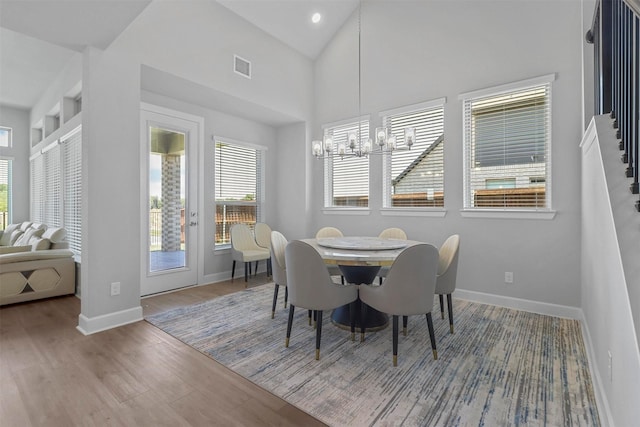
(408, 290)
(390, 233)
(311, 287)
(447, 272)
(245, 249)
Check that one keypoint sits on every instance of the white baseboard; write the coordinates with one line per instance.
(91, 325)
(606, 418)
(521, 304)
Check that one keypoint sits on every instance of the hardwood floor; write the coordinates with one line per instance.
(135, 375)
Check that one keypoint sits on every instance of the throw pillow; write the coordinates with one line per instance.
(5, 239)
(15, 236)
(24, 239)
(55, 234)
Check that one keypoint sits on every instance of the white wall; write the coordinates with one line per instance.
(195, 42)
(442, 49)
(18, 121)
(610, 276)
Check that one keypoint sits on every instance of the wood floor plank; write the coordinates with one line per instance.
(53, 375)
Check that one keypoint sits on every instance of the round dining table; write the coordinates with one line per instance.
(359, 259)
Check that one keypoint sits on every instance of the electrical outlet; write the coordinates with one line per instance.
(115, 288)
(508, 277)
(610, 366)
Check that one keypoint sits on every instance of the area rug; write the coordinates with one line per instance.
(502, 367)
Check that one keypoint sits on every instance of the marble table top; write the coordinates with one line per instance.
(361, 251)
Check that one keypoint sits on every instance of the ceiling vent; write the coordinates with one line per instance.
(242, 66)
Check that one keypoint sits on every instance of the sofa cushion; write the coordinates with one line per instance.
(14, 249)
(15, 236)
(26, 237)
(55, 234)
(5, 239)
(25, 226)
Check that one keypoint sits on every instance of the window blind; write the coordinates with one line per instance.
(5, 192)
(415, 177)
(38, 201)
(507, 149)
(238, 187)
(347, 179)
(52, 189)
(72, 189)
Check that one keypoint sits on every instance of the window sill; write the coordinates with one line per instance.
(508, 214)
(222, 248)
(346, 211)
(424, 212)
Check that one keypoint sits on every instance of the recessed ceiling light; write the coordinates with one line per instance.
(316, 17)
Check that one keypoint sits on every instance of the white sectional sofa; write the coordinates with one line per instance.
(35, 262)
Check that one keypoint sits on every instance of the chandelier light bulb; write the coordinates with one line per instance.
(328, 144)
(316, 148)
(409, 136)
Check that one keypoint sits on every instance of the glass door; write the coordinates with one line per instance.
(170, 215)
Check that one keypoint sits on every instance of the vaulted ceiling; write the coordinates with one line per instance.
(38, 37)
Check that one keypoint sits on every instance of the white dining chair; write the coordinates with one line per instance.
(245, 249)
(408, 290)
(262, 232)
(447, 272)
(279, 267)
(390, 233)
(327, 232)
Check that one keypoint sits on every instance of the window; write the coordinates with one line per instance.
(238, 186)
(5, 136)
(5, 192)
(346, 179)
(507, 138)
(415, 177)
(72, 189)
(56, 184)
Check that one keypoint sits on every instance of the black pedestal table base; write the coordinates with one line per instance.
(374, 319)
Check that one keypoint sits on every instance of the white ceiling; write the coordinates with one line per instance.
(37, 37)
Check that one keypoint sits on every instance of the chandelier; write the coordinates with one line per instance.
(385, 142)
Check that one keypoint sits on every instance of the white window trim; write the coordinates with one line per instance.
(501, 213)
(418, 212)
(414, 211)
(508, 87)
(414, 107)
(346, 211)
(366, 117)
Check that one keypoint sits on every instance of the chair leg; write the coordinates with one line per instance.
(310, 317)
(269, 267)
(441, 306)
(233, 269)
(342, 279)
(450, 308)
(380, 280)
(352, 319)
(318, 333)
(286, 296)
(255, 272)
(363, 316)
(395, 340)
(432, 336)
(289, 324)
(247, 266)
(275, 299)
(405, 320)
